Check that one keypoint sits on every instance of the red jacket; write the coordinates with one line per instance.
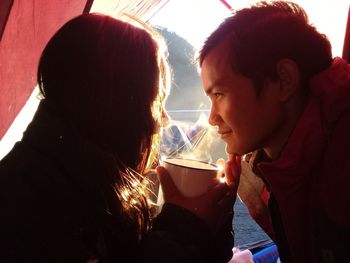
(306, 187)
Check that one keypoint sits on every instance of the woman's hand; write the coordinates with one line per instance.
(214, 207)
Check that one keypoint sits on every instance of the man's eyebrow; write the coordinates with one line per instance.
(209, 90)
(215, 84)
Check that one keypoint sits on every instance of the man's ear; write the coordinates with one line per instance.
(289, 75)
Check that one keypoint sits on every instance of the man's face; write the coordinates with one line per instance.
(246, 121)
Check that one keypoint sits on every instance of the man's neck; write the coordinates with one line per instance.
(279, 140)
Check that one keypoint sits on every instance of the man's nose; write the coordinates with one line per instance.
(213, 117)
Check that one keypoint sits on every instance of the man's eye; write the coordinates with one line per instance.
(217, 95)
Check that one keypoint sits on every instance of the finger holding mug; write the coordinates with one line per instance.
(195, 187)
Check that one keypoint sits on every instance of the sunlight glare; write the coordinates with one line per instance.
(194, 20)
(222, 180)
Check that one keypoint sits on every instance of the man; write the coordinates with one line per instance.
(281, 100)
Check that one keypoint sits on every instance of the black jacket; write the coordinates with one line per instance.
(52, 202)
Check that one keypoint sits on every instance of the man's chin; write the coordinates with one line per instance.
(229, 149)
(233, 149)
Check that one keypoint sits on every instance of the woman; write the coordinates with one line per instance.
(72, 190)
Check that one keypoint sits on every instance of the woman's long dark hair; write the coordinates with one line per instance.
(108, 79)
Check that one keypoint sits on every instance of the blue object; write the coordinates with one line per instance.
(266, 255)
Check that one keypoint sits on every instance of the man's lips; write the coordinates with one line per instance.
(224, 133)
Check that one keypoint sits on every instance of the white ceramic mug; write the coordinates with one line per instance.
(192, 178)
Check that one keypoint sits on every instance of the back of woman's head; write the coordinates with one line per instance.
(263, 34)
(103, 75)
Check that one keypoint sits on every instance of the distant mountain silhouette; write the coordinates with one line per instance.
(186, 89)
